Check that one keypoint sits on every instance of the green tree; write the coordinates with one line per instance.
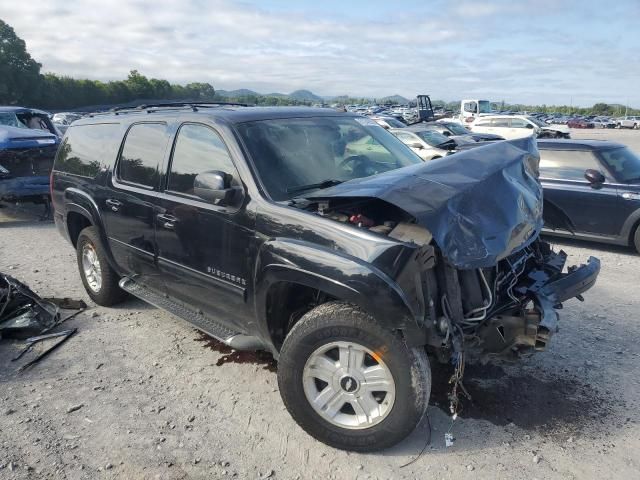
(19, 73)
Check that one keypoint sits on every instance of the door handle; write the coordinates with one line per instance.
(168, 221)
(114, 204)
(631, 196)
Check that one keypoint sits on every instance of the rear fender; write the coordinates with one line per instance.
(77, 201)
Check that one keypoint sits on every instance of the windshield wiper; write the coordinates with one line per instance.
(323, 184)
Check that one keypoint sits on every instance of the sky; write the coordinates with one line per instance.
(535, 52)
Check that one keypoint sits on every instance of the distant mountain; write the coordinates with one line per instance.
(399, 99)
(242, 92)
(305, 95)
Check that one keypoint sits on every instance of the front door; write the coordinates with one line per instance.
(127, 205)
(590, 209)
(203, 247)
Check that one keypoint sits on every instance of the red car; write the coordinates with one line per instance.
(579, 123)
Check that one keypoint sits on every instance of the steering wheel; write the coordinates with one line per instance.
(361, 165)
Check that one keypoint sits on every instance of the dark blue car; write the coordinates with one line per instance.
(28, 144)
(597, 184)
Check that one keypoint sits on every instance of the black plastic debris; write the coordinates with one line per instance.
(24, 314)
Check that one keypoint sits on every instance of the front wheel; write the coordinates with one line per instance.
(636, 239)
(351, 383)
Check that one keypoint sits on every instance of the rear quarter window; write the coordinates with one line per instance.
(86, 149)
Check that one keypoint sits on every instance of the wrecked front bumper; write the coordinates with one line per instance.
(541, 292)
(549, 293)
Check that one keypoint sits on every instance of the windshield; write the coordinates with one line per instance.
(432, 137)
(394, 123)
(10, 119)
(537, 122)
(624, 164)
(456, 129)
(484, 106)
(292, 153)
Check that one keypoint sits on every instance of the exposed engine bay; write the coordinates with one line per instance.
(509, 308)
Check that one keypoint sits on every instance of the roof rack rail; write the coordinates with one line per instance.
(151, 107)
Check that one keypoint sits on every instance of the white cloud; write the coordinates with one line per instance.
(449, 52)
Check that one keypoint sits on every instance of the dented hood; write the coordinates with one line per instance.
(480, 205)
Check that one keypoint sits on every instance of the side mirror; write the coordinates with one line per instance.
(530, 126)
(446, 133)
(417, 145)
(594, 177)
(213, 187)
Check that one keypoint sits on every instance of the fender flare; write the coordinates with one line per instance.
(78, 201)
(341, 276)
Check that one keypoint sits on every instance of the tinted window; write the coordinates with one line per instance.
(142, 154)
(198, 149)
(518, 123)
(406, 137)
(87, 148)
(294, 152)
(623, 163)
(566, 164)
(432, 137)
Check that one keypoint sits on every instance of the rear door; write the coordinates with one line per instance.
(520, 128)
(203, 247)
(128, 204)
(592, 210)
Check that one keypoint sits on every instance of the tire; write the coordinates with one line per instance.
(337, 330)
(102, 284)
(636, 239)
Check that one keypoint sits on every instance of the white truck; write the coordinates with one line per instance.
(628, 122)
(470, 109)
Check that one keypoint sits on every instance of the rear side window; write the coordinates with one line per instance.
(142, 154)
(198, 149)
(567, 164)
(500, 122)
(87, 148)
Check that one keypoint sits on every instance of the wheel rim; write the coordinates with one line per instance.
(91, 267)
(348, 385)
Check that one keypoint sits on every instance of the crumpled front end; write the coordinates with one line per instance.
(480, 205)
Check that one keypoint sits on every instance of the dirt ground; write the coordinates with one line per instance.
(138, 393)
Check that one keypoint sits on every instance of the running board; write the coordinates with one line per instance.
(230, 337)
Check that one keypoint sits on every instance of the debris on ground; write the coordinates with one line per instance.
(26, 316)
(23, 314)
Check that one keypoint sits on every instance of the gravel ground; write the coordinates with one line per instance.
(138, 393)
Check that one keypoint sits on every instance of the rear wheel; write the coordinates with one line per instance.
(351, 383)
(99, 279)
(636, 239)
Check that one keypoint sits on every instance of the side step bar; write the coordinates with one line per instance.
(230, 337)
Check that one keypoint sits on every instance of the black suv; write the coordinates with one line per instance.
(319, 237)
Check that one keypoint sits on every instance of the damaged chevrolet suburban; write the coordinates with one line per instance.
(322, 238)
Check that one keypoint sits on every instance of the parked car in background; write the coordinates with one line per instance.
(579, 123)
(62, 120)
(628, 122)
(517, 126)
(425, 142)
(26, 159)
(388, 122)
(597, 184)
(603, 122)
(458, 131)
(26, 154)
(31, 118)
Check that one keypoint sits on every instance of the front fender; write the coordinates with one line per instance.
(343, 277)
